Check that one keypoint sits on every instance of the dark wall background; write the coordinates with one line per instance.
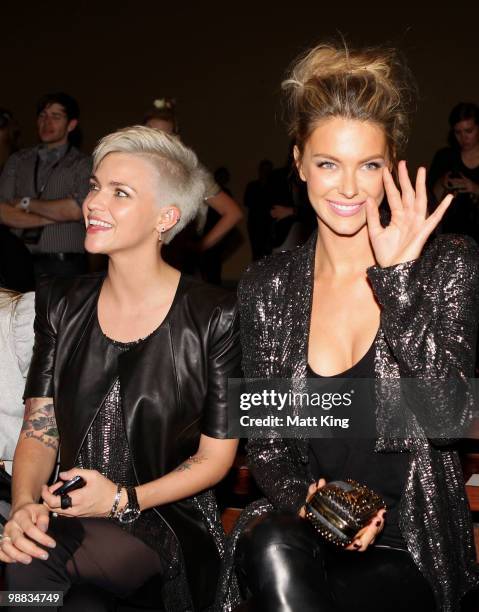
(223, 62)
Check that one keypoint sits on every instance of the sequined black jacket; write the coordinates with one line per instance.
(429, 312)
(174, 388)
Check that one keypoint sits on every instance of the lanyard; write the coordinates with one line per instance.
(39, 191)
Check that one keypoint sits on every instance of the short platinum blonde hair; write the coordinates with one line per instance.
(180, 174)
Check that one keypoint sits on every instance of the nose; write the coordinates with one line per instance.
(95, 200)
(349, 186)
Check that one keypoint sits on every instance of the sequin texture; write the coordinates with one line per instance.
(106, 450)
(429, 312)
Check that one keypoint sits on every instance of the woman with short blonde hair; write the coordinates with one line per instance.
(129, 375)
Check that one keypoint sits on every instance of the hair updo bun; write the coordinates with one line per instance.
(367, 84)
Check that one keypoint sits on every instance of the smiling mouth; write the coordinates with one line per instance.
(98, 223)
(345, 209)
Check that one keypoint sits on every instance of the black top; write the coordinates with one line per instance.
(106, 450)
(462, 216)
(339, 457)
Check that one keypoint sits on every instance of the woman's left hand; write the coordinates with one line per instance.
(404, 238)
(367, 535)
(94, 499)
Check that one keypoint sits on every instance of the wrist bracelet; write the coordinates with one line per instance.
(25, 204)
(131, 512)
(116, 501)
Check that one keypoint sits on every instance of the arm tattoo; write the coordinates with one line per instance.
(39, 424)
(186, 465)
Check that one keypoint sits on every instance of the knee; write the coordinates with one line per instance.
(268, 532)
(36, 574)
(25, 577)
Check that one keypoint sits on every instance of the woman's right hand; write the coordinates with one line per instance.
(25, 529)
(311, 491)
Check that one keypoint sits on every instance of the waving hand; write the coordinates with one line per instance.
(403, 239)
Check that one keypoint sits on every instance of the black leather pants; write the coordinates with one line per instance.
(287, 567)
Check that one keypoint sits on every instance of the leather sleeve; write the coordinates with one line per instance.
(40, 375)
(224, 361)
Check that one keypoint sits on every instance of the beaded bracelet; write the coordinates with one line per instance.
(116, 501)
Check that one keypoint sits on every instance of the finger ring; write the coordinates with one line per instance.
(66, 501)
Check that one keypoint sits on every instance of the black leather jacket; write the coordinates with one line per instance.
(174, 388)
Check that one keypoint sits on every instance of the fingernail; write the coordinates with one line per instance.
(52, 545)
(44, 556)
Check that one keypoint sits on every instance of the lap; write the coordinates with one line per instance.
(352, 579)
(378, 575)
(94, 551)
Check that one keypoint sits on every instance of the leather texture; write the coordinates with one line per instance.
(287, 567)
(174, 388)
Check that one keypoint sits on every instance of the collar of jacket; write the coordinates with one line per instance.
(88, 364)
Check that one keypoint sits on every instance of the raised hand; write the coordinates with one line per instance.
(404, 238)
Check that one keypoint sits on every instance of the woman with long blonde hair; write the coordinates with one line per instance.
(369, 296)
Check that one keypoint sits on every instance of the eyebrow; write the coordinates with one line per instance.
(53, 113)
(369, 158)
(113, 183)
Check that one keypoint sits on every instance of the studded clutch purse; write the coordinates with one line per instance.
(341, 508)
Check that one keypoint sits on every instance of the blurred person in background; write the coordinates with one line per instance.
(42, 189)
(16, 264)
(17, 312)
(292, 214)
(213, 223)
(258, 201)
(222, 177)
(455, 169)
(9, 136)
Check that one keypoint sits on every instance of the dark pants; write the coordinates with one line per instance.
(287, 567)
(95, 557)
